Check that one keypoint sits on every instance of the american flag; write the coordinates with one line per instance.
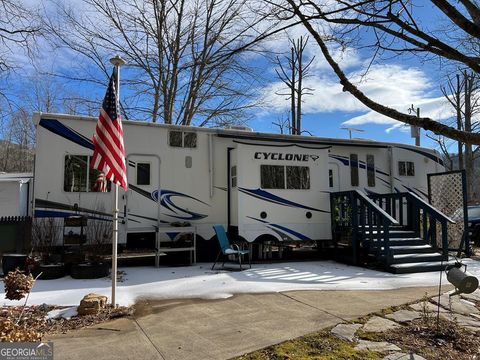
(109, 153)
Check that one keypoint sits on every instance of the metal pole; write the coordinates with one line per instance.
(417, 138)
(117, 61)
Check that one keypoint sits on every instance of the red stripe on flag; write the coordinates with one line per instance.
(109, 151)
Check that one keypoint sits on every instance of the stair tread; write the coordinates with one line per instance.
(421, 264)
(414, 255)
(410, 247)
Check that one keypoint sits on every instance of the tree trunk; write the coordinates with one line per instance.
(292, 89)
(468, 128)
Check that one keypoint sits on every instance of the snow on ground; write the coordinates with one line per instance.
(199, 281)
(66, 313)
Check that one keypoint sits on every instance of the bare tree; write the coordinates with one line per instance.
(462, 93)
(17, 33)
(180, 68)
(396, 29)
(16, 150)
(292, 71)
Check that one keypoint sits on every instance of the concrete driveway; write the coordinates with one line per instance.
(221, 329)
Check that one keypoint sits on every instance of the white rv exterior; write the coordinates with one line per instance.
(265, 186)
(15, 194)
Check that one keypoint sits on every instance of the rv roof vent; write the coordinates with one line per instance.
(238, 127)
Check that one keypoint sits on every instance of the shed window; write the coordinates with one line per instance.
(79, 177)
(143, 173)
(371, 170)
(354, 169)
(406, 168)
(330, 178)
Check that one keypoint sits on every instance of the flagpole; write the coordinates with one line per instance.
(117, 62)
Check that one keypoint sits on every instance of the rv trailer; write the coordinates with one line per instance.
(260, 186)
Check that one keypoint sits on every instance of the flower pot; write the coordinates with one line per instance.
(50, 271)
(12, 261)
(89, 270)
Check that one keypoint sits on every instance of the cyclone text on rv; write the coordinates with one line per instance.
(258, 185)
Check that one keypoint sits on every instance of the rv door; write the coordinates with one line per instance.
(142, 206)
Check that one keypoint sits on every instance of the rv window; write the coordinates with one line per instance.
(272, 176)
(354, 169)
(143, 173)
(76, 172)
(175, 138)
(190, 140)
(406, 168)
(330, 177)
(182, 139)
(410, 168)
(370, 170)
(79, 177)
(233, 175)
(298, 177)
(98, 182)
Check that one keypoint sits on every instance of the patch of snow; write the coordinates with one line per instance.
(65, 313)
(199, 281)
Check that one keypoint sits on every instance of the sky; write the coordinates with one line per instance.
(398, 82)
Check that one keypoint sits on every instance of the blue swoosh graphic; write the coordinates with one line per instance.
(267, 196)
(66, 132)
(167, 202)
(284, 228)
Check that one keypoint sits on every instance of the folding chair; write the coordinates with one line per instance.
(227, 249)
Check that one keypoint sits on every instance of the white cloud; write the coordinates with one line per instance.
(392, 85)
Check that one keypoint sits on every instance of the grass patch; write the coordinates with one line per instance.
(319, 346)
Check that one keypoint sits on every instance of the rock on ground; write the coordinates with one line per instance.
(404, 315)
(456, 304)
(91, 304)
(379, 346)
(346, 331)
(475, 296)
(379, 324)
(428, 307)
(403, 356)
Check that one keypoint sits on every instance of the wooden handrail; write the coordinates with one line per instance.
(431, 209)
(376, 208)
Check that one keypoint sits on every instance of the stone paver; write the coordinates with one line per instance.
(456, 304)
(380, 346)
(429, 307)
(403, 356)
(379, 324)
(404, 316)
(467, 322)
(346, 331)
(475, 296)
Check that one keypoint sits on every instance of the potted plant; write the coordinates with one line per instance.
(47, 258)
(98, 245)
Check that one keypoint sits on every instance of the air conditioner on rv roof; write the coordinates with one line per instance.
(238, 127)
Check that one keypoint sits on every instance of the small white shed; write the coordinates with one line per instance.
(15, 194)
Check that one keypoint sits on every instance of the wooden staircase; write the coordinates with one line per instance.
(399, 231)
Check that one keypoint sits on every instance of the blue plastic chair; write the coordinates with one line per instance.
(227, 249)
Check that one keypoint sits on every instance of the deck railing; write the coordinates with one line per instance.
(415, 214)
(359, 218)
